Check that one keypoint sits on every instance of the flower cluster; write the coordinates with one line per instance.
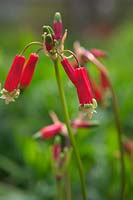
(58, 127)
(19, 76)
(21, 73)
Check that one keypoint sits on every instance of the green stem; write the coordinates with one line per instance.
(59, 190)
(119, 130)
(117, 122)
(67, 185)
(30, 44)
(67, 121)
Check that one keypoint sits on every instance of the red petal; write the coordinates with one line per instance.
(14, 75)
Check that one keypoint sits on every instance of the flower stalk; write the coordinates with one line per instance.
(103, 69)
(67, 121)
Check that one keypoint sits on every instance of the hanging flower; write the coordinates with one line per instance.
(29, 70)
(69, 70)
(97, 93)
(57, 25)
(10, 90)
(87, 102)
(104, 80)
(79, 78)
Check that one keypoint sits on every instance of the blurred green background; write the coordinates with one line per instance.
(25, 168)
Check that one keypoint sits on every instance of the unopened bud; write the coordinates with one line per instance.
(48, 30)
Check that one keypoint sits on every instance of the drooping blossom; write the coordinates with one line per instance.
(104, 80)
(14, 75)
(83, 86)
(29, 70)
(69, 70)
(79, 78)
(97, 92)
(11, 90)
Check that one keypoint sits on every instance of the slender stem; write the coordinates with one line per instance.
(67, 121)
(67, 186)
(100, 66)
(119, 130)
(30, 44)
(73, 54)
(59, 190)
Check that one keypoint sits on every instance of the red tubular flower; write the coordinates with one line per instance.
(128, 146)
(104, 81)
(80, 79)
(57, 25)
(14, 75)
(29, 70)
(79, 124)
(98, 53)
(83, 86)
(97, 93)
(84, 124)
(69, 70)
(51, 130)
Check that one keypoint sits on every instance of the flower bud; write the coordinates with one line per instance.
(48, 42)
(48, 30)
(57, 26)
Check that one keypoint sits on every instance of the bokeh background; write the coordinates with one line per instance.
(25, 166)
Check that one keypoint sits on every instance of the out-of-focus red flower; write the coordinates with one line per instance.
(14, 75)
(128, 146)
(104, 80)
(29, 70)
(57, 25)
(79, 124)
(98, 53)
(51, 130)
(97, 93)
